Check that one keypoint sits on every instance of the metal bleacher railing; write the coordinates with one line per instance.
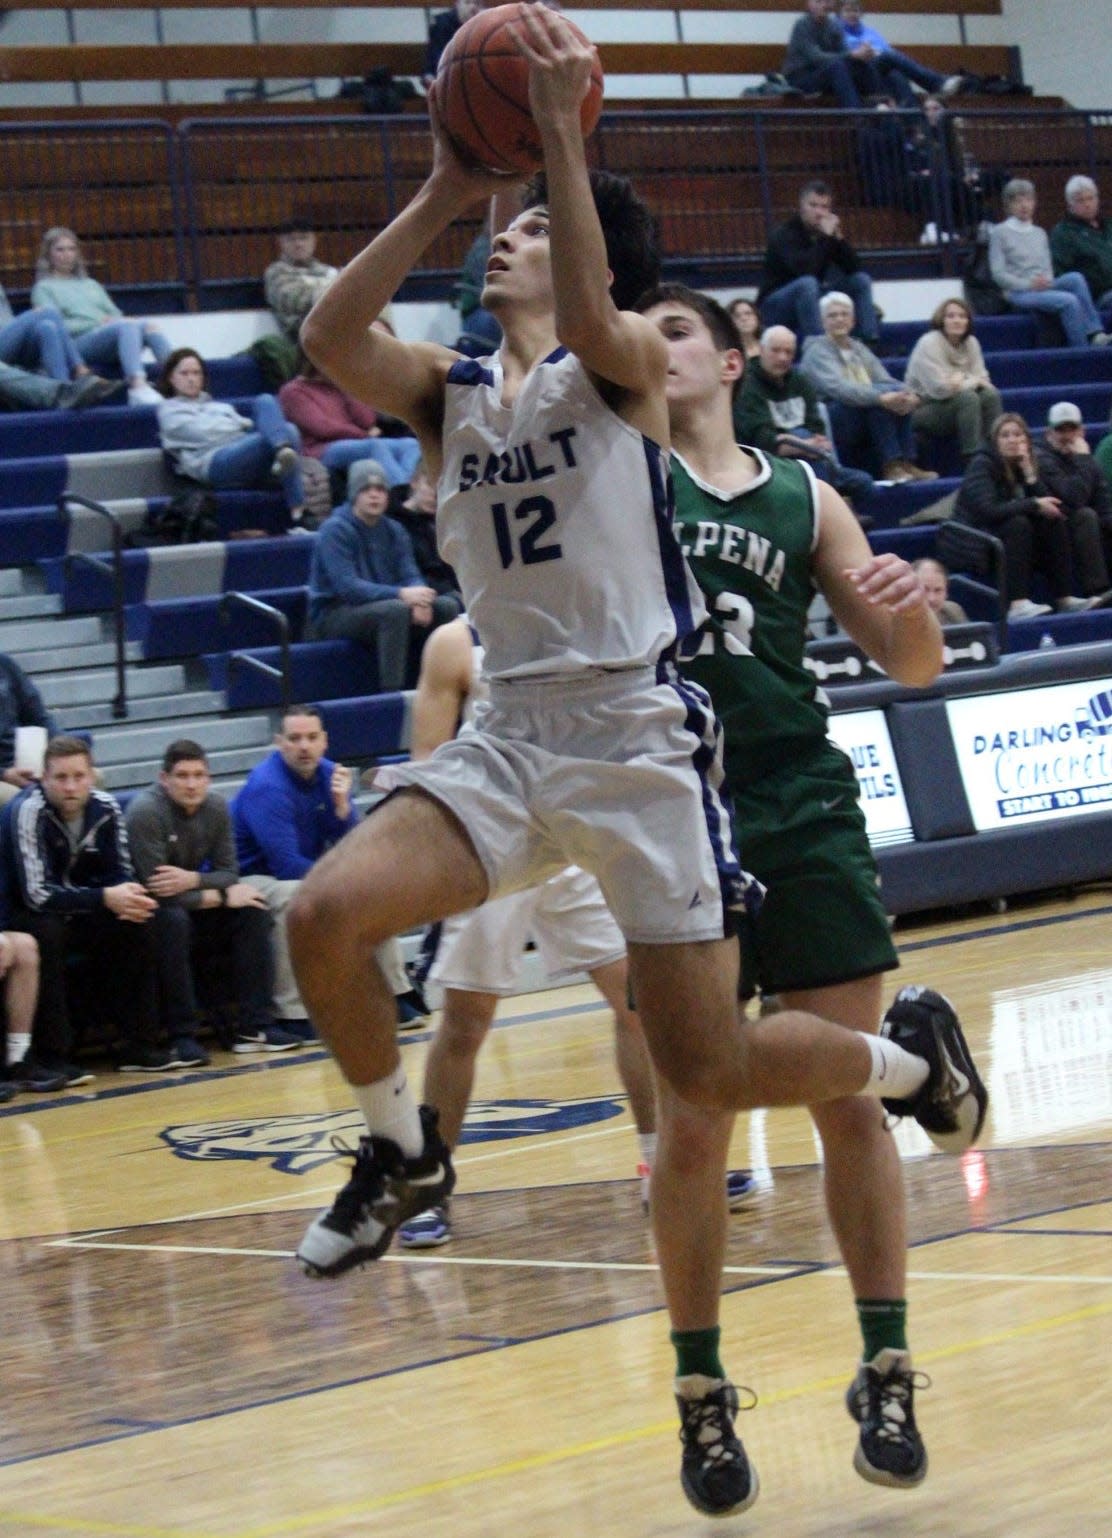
(191, 208)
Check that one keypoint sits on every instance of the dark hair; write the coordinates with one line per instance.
(718, 321)
(302, 710)
(179, 355)
(815, 188)
(183, 751)
(66, 747)
(937, 317)
(628, 228)
(297, 227)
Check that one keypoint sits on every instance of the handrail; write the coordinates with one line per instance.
(116, 572)
(281, 623)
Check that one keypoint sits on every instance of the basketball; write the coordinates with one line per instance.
(481, 94)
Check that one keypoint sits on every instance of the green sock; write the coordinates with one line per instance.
(697, 1351)
(883, 1325)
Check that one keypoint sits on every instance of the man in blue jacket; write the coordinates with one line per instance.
(293, 807)
(364, 582)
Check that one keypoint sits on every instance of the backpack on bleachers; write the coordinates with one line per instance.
(188, 518)
(981, 293)
(317, 486)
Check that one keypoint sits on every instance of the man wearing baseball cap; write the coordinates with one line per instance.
(1071, 474)
(364, 584)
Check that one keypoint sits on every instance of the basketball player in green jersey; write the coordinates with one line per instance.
(760, 534)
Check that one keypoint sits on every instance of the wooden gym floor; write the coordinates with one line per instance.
(167, 1372)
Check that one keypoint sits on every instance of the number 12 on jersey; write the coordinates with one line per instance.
(542, 514)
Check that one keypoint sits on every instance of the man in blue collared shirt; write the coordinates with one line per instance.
(897, 70)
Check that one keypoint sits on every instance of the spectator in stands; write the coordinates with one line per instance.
(364, 584)
(72, 886)
(867, 405)
(1073, 476)
(948, 188)
(1019, 257)
(295, 282)
(936, 585)
(21, 390)
(777, 409)
(1103, 455)
(20, 705)
(211, 442)
(747, 318)
(101, 331)
(443, 28)
(806, 258)
(339, 430)
(414, 507)
(38, 339)
(898, 73)
(947, 371)
(295, 805)
(1082, 241)
(184, 851)
(818, 59)
(1003, 493)
(19, 985)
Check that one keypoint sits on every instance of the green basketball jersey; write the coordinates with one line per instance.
(751, 553)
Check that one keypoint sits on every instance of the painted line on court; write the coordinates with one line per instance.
(315, 1521)
(506, 1263)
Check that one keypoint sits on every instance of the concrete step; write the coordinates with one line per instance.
(29, 606)
(121, 743)
(56, 659)
(165, 708)
(91, 685)
(37, 635)
(225, 764)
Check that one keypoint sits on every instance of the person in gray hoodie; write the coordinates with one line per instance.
(1022, 267)
(866, 404)
(211, 442)
(364, 584)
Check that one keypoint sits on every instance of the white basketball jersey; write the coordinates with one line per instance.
(557, 517)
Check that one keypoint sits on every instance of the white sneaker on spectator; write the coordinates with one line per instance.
(1026, 608)
(951, 85)
(1072, 605)
(143, 395)
(1100, 339)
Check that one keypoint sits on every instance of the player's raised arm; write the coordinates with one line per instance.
(877, 599)
(401, 378)
(616, 345)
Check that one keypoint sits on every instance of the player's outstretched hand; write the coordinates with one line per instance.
(560, 63)
(890, 583)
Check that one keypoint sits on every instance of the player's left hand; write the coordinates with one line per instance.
(887, 582)
(560, 63)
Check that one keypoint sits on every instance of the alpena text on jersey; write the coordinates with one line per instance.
(557, 517)
(751, 553)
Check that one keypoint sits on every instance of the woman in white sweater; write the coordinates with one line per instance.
(947, 369)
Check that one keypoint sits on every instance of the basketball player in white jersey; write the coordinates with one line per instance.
(554, 511)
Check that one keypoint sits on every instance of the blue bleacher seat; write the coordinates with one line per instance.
(319, 670)
(183, 627)
(33, 434)
(375, 727)
(1065, 629)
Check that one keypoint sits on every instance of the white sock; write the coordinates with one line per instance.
(896, 1073)
(646, 1142)
(391, 1111)
(19, 1044)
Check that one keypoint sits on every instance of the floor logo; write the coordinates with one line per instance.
(296, 1145)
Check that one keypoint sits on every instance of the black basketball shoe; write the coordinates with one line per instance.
(881, 1398)
(385, 1190)
(716, 1475)
(950, 1107)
